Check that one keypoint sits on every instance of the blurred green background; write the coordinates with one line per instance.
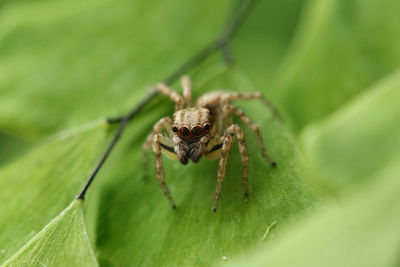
(330, 67)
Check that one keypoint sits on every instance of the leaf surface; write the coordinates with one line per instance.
(136, 225)
(351, 146)
(82, 61)
(39, 185)
(66, 63)
(363, 231)
(355, 155)
(339, 50)
(63, 242)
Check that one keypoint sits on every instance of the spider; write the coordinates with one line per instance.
(202, 128)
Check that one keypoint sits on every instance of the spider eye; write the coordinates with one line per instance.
(197, 131)
(207, 127)
(184, 131)
(175, 129)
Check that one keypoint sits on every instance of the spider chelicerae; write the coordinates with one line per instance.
(202, 128)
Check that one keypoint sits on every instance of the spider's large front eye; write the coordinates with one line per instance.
(197, 131)
(184, 131)
(174, 129)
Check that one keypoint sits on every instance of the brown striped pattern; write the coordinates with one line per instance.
(226, 146)
(256, 95)
(163, 123)
(187, 90)
(233, 130)
(160, 169)
(254, 127)
(174, 96)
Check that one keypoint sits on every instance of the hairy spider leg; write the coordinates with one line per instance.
(174, 96)
(256, 95)
(187, 90)
(163, 123)
(231, 131)
(160, 169)
(254, 127)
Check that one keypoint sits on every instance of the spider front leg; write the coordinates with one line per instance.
(254, 127)
(255, 95)
(163, 123)
(160, 169)
(174, 96)
(187, 90)
(233, 130)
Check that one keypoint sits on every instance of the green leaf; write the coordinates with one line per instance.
(262, 42)
(363, 231)
(37, 186)
(11, 147)
(63, 242)
(136, 225)
(351, 146)
(66, 63)
(354, 153)
(81, 61)
(341, 47)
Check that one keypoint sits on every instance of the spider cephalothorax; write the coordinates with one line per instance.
(192, 127)
(202, 129)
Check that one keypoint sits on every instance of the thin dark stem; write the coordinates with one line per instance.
(220, 43)
(110, 147)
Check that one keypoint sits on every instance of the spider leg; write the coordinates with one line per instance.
(256, 95)
(160, 169)
(174, 96)
(187, 90)
(163, 123)
(254, 127)
(233, 130)
(226, 146)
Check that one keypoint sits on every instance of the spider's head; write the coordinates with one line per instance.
(192, 126)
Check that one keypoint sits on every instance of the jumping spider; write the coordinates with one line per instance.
(202, 128)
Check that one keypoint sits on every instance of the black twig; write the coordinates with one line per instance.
(117, 135)
(220, 43)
